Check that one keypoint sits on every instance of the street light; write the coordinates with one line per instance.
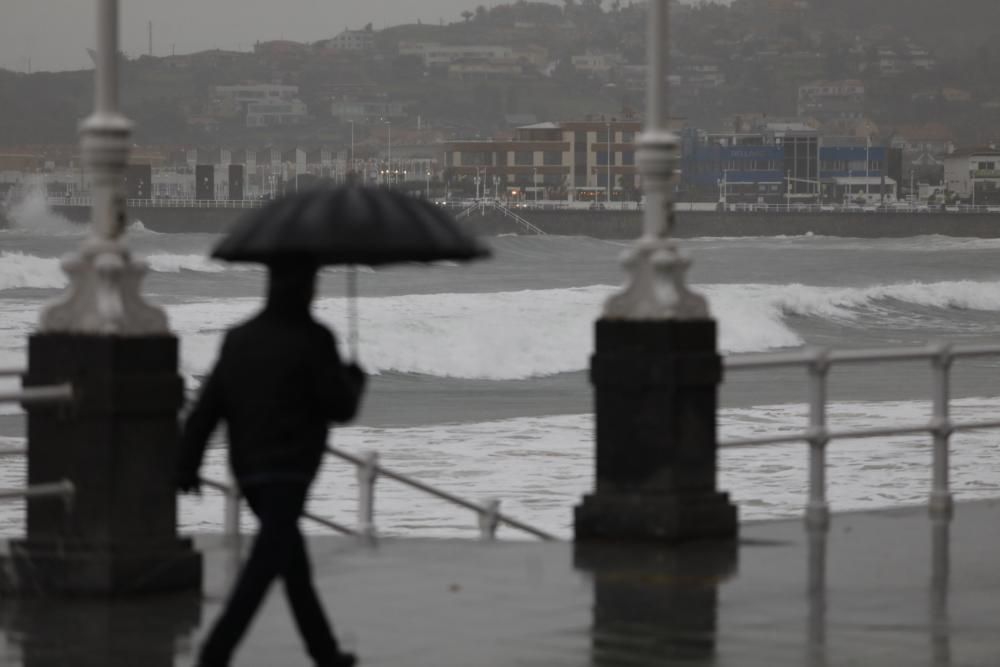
(388, 126)
(427, 186)
(352, 149)
(608, 137)
(534, 183)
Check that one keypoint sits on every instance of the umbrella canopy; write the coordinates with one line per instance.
(351, 224)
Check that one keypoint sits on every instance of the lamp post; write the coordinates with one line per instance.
(656, 366)
(534, 183)
(117, 442)
(427, 185)
(352, 148)
(608, 137)
(388, 129)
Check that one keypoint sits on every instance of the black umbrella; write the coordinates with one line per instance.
(349, 225)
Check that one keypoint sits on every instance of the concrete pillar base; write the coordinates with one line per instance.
(668, 518)
(47, 570)
(655, 385)
(117, 442)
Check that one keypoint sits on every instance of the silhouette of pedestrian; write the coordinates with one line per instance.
(278, 384)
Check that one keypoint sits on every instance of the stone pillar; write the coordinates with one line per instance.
(117, 443)
(655, 387)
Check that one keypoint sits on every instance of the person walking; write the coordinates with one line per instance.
(278, 384)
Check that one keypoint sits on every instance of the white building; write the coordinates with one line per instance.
(434, 54)
(597, 63)
(973, 175)
(366, 110)
(257, 92)
(263, 114)
(832, 99)
(352, 40)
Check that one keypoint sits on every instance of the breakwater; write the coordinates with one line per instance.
(612, 224)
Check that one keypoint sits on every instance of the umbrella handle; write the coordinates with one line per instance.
(352, 312)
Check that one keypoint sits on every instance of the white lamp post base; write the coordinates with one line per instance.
(103, 295)
(656, 289)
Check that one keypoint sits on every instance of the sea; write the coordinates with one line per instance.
(479, 381)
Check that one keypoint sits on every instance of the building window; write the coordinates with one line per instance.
(552, 158)
(602, 157)
(628, 157)
(524, 158)
(628, 137)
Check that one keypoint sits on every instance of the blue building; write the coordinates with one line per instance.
(786, 163)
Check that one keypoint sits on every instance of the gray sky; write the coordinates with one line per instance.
(56, 33)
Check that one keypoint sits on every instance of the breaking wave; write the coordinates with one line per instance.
(19, 270)
(531, 333)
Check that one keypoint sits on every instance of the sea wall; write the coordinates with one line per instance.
(613, 224)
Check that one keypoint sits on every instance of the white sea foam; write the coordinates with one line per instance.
(31, 213)
(167, 263)
(515, 335)
(19, 270)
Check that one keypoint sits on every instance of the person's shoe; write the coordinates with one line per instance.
(342, 660)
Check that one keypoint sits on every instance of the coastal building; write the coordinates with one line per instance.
(578, 160)
(352, 40)
(973, 175)
(785, 163)
(265, 114)
(827, 100)
(349, 109)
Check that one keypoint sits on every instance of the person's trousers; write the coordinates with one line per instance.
(278, 550)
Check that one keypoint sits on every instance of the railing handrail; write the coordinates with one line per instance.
(12, 372)
(480, 510)
(64, 489)
(818, 362)
(55, 393)
(230, 490)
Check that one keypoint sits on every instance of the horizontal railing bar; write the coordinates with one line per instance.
(443, 495)
(879, 432)
(61, 489)
(808, 356)
(768, 360)
(56, 393)
(971, 426)
(966, 351)
(804, 436)
(14, 451)
(224, 488)
(883, 354)
(10, 372)
(765, 440)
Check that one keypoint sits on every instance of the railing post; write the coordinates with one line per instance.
(231, 518)
(367, 474)
(941, 499)
(817, 509)
(489, 519)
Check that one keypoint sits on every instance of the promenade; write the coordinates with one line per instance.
(447, 603)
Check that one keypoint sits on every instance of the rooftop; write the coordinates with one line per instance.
(887, 600)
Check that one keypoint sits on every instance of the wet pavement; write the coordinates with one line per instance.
(886, 588)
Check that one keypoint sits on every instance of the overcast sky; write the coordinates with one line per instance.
(55, 34)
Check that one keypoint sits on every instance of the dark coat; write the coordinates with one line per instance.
(278, 384)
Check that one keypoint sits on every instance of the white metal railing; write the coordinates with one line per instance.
(484, 204)
(489, 517)
(818, 362)
(53, 393)
(63, 489)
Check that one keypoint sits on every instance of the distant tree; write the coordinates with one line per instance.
(467, 15)
(481, 13)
